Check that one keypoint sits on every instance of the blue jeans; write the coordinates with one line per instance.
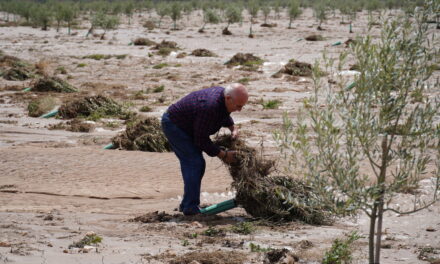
(192, 164)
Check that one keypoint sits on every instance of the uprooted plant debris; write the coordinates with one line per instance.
(14, 69)
(276, 198)
(143, 42)
(247, 61)
(93, 106)
(166, 44)
(214, 257)
(53, 84)
(295, 68)
(153, 217)
(89, 239)
(280, 256)
(159, 217)
(74, 125)
(40, 106)
(144, 135)
(203, 53)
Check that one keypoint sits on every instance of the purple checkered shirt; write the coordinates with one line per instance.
(201, 114)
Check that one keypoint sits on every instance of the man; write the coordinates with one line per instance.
(188, 124)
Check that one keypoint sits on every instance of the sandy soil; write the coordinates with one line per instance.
(56, 185)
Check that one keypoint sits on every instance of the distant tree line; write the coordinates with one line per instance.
(107, 14)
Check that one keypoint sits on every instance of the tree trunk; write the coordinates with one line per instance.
(371, 235)
(379, 232)
(290, 23)
(380, 200)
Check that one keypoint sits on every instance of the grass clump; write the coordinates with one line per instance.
(53, 84)
(89, 239)
(144, 135)
(244, 80)
(295, 68)
(97, 56)
(257, 248)
(15, 69)
(41, 106)
(247, 61)
(244, 228)
(270, 104)
(61, 70)
(93, 108)
(160, 65)
(81, 65)
(214, 232)
(159, 89)
(145, 108)
(341, 250)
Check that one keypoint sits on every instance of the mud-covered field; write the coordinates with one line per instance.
(57, 185)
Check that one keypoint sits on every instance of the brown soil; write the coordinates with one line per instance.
(215, 257)
(314, 37)
(63, 184)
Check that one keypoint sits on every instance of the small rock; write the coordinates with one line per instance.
(90, 233)
(49, 245)
(65, 251)
(48, 217)
(431, 229)
(196, 224)
(5, 244)
(194, 262)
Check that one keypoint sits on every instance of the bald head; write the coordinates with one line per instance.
(236, 96)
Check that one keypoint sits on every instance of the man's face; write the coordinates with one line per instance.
(235, 104)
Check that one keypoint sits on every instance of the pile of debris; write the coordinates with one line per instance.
(14, 69)
(165, 47)
(203, 53)
(246, 61)
(98, 105)
(295, 68)
(144, 135)
(143, 42)
(53, 84)
(277, 198)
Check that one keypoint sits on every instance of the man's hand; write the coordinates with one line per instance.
(227, 156)
(234, 132)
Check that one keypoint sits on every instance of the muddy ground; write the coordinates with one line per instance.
(56, 185)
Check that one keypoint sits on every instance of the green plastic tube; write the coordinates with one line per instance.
(109, 146)
(50, 114)
(337, 43)
(352, 85)
(218, 208)
(27, 89)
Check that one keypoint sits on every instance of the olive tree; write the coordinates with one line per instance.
(293, 11)
(320, 13)
(387, 121)
(209, 16)
(266, 11)
(162, 10)
(106, 22)
(233, 15)
(176, 13)
(41, 15)
(252, 8)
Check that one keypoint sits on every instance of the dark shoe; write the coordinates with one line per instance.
(191, 211)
